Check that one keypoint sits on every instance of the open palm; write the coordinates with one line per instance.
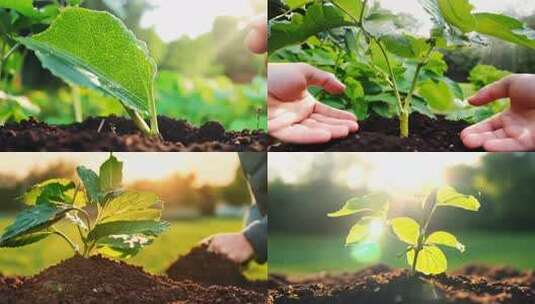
(295, 116)
(511, 130)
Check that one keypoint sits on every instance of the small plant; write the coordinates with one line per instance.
(423, 254)
(84, 48)
(125, 221)
(385, 67)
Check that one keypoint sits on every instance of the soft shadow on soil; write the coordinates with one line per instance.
(382, 285)
(100, 280)
(119, 134)
(382, 135)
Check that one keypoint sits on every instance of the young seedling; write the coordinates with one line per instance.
(385, 67)
(85, 48)
(125, 221)
(423, 254)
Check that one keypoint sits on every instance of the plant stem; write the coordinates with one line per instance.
(424, 224)
(76, 104)
(63, 236)
(153, 112)
(404, 122)
(139, 122)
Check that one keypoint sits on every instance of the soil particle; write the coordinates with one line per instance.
(120, 134)
(382, 135)
(99, 280)
(381, 285)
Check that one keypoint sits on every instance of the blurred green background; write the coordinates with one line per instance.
(207, 75)
(204, 194)
(304, 187)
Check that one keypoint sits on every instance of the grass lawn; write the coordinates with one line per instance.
(300, 255)
(176, 241)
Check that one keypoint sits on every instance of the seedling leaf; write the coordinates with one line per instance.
(431, 260)
(458, 13)
(32, 220)
(25, 239)
(111, 175)
(96, 50)
(147, 228)
(505, 28)
(91, 183)
(358, 233)
(448, 196)
(355, 204)
(52, 190)
(132, 206)
(123, 245)
(352, 7)
(446, 239)
(406, 229)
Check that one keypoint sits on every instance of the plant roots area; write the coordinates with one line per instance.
(382, 135)
(199, 277)
(382, 285)
(120, 135)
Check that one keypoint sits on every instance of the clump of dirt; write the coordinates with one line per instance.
(99, 280)
(120, 134)
(207, 268)
(379, 134)
(381, 285)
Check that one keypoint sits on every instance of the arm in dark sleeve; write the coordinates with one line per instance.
(256, 232)
(254, 165)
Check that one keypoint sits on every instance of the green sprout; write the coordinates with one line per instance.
(125, 221)
(423, 254)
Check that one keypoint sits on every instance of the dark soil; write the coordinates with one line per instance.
(381, 285)
(209, 268)
(99, 280)
(382, 135)
(119, 134)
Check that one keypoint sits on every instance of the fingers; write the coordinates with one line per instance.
(492, 92)
(504, 145)
(476, 140)
(257, 38)
(325, 80)
(488, 125)
(303, 135)
(352, 125)
(337, 131)
(334, 113)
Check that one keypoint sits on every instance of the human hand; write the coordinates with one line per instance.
(294, 115)
(234, 246)
(257, 40)
(512, 130)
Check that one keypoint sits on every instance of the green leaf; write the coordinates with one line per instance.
(52, 190)
(131, 206)
(25, 239)
(30, 221)
(293, 4)
(437, 94)
(355, 204)
(405, 45)
(406, 229)
(318, 18)
(111, 175)
(358, 233)
(123, 246)
(352, 7)
(458, 13)
(91, 183)
(431, 260)
(505, 28)
(25, 7)
(446, 239)
(448, 196)
(96, 50)
(148, 228)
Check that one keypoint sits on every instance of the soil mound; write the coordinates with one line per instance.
(384, 286)
(99, 280)
(120, 134)
(8, 287)
(207, 268)
(382, 135)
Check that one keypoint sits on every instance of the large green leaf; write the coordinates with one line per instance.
(123, 246)
(356, 204)
(30, 221)
(448, 196)
(147, 228)
(458, 13)
(111, 175)
(405, 45)
(431, 260)
(406, 229)
(351, 7)
(52, 190)
(318, 18)
(25, 7)
(437, 94)
(358, 233)
(96, 50)
(132, 206)
(293, 4)
(446, 239)
(91, 183)
(505, 28)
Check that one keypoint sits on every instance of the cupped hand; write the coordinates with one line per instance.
(512, 130)
(295, 116)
